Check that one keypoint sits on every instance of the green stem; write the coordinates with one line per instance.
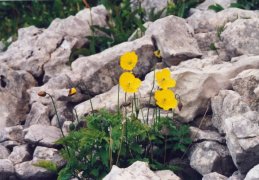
(76, 116)
(126, 124)
(60, 127)
(165, 150)
(118, 110)
(153, 86)
(135, 103)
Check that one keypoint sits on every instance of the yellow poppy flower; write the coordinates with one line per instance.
(128, 60)
(72, 91)
(129, 82)
(165, 99)
(157, 53)
(164, 79)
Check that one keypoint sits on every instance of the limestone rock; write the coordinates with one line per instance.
(203, 135)
(14, 133)
(138, 170)
(236, 176)
(27, 171)
(253, 174)
(206, 21)
(240, 37)
(39, 114)
(6, 169)
(13, 86)
(19, 154)
(214, 176)
(174, 39)
(4, 153)
(239, 123)
(245, 84)
(49, 154)
(207, 157)
(98, 73)
(36, 134)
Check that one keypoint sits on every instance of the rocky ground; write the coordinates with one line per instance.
(219, 89)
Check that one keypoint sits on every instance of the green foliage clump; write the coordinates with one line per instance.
(49, 165)
(246, 4)
(110, 140)
(216, 7)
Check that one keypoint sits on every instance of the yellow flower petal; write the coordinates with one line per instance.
(129, 83)
(165, 99)
(128, 60)
(164, 79)
(72, 91)
(157, 53)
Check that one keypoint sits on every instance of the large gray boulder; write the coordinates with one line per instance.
(205, 5)
(14, 133)
(209, 156)
(174, 38)
(240, 37)
(42, 135)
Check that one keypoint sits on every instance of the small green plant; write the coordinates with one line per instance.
(103, 143)
(216, 7)
(49, 165)
(220, 29)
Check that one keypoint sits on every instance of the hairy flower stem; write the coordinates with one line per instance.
(165, 149)
(59, 122)
(110, 147)
(76, 116)
(118, 157)
(149, 101)
(118, 110)
(126, 124)
(135, 103)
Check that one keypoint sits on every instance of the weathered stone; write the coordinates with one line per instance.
(39, 114)
(138, 170)
(206, 21)
(19, 154)
(226, 104)
(49, 154)
(200, 135)
(197, 82)
(103, 69)
(174, 38)
(6, 169)
(206, 40)
(13, 86)
(10, 144)
(4, 153)
(36, 47)
(245, 84)
(214, 176)
(28, 171)
(253, 174)
(239, 123)
(36, 134)
(240, 37)
(14, 133)
(207, 157)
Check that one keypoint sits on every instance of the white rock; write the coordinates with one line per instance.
(214, 176)
(36, 134)
(27, 170)
(14, 133)
(19, 154)
(208, 156)
(4, 152)
(253, 174)
(138, 170)
(6, 169)
(201, 135)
